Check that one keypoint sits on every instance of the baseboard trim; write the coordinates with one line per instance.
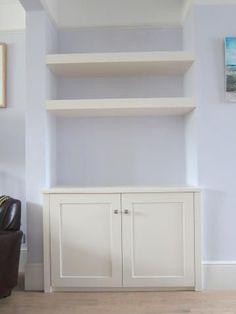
(34, 277)
(216, 276)
(219, 275)
(23, 260)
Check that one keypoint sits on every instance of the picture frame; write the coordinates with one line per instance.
(3, 73)
(230, 68)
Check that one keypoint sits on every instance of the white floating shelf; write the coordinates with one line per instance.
(121, 106)
(122, 63)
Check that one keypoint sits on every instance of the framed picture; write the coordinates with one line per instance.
(3, 53)
(230, 68)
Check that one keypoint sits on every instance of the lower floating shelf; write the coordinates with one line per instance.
(121, 106)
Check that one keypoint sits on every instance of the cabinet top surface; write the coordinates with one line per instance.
(119, 189)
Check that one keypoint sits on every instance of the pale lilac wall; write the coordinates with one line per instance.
(215, 129)
(120, 39)
(41, 38)
(120, 151)
(12, 121)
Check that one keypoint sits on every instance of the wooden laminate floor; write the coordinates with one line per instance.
(119, 303)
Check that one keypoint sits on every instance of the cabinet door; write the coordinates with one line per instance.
(158, 240)
(85, 240)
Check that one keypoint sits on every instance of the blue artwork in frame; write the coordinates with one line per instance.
(230, 68)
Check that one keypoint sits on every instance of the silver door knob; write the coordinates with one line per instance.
(126, 211)
(116, 211)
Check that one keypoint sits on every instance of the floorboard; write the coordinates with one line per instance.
(210, 302)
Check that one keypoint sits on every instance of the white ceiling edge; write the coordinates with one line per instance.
(120, 13)
(12, 15)
(51, 8)
(114, 13)
(189, 3)
(106, 14)
(213, 2)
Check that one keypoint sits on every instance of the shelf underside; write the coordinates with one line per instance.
(132, 63)
(121, 107)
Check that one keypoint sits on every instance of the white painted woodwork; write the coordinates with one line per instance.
(158, 240)
(46, 244)
(121, 107)
(120, 189)
(85, 240)
(198, 241)
(120, 63)
(155, 244)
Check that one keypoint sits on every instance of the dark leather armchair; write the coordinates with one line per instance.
(10, 242)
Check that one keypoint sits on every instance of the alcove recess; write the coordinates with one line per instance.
(120, 116)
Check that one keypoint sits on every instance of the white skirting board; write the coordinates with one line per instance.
(23, 260)
(219, 275)
(216, 276)
(34, 277)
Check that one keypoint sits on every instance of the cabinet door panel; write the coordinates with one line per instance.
(85, 240)
(158, 239)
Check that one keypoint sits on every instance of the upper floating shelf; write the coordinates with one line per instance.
(121, 107)
(121, 63)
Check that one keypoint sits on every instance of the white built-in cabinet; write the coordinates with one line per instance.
(122, 238)
(85, 240)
